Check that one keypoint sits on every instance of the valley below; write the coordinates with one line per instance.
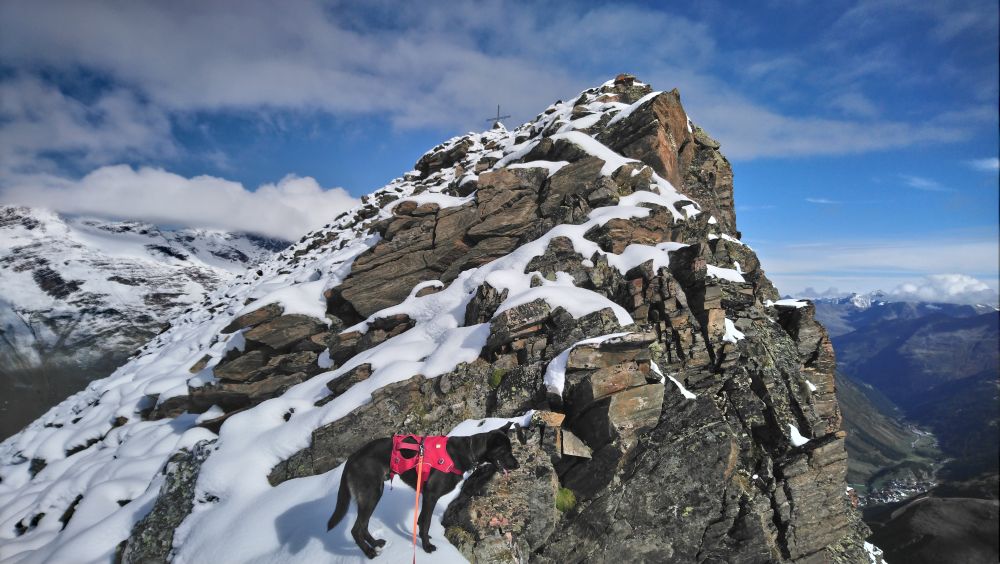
(918, 392)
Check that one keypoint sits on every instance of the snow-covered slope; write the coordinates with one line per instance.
(410, 306)
(79, 295)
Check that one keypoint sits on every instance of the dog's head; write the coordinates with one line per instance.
(499, 451)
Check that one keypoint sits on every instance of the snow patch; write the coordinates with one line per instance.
(638, 104)
(787, 302)
(797, 438)
(612, 160)
(551, 166)
(729, 274)
(555, 372)
(684, 391)
(303, 299)
(732, 333)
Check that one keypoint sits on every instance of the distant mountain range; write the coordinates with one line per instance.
(937, 362)
(934, 366)
(842, 315)
(79, 295)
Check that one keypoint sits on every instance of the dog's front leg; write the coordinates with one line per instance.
(426, 512)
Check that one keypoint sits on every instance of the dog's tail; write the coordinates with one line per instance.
(343, 501)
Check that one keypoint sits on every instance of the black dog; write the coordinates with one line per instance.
(366, 470)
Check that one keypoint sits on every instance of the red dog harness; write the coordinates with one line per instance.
(433, 448)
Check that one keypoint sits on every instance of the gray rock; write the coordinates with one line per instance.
(519, 508)
(151, 539)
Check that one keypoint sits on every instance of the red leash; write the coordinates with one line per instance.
(416, 503)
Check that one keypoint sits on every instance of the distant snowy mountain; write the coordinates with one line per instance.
(79, 295)
(856, 300)
(844, 314)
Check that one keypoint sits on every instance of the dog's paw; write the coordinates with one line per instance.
(428, 547)
(379, 543)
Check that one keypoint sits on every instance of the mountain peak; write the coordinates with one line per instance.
(581, 272)
(867, 300)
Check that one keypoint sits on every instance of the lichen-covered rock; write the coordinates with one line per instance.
(518, 508)
(152, 537)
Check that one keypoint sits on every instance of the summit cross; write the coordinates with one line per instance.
(496, 120)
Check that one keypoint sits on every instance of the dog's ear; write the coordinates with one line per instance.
(522, 435)
(506, 428)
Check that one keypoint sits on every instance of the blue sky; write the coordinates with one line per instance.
(863, 135)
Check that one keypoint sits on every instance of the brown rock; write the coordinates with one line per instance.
(589, 357)
(603, 382)
(345, 381)
(200, 365)
(303, 361)
(485, 251)
(242, 367)
(512, 221)
(258, 391)
(579, 178)
(624, 413)
(255, 317)
(283, 332)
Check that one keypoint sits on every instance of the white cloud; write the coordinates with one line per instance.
(418, 66)
(988, 165)
(750, 130)
(440, 65)
(36, 118)
(925, 184)
(287, 209)
(855, 104)
(876, 264)
(831, 292)
(754, 207)
(947, 19)
(822, 201)
(948, 288)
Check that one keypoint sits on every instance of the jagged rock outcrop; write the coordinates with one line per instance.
(585, 266)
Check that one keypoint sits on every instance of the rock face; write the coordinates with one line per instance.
(720, 472)
(585, 266)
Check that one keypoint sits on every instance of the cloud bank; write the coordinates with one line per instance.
(986, 165)
(432, 65)
(287, 209)
(907, 268)
(946, 288)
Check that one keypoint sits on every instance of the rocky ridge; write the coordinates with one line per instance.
(582, 272)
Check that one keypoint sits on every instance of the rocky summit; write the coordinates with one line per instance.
(581, 275)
